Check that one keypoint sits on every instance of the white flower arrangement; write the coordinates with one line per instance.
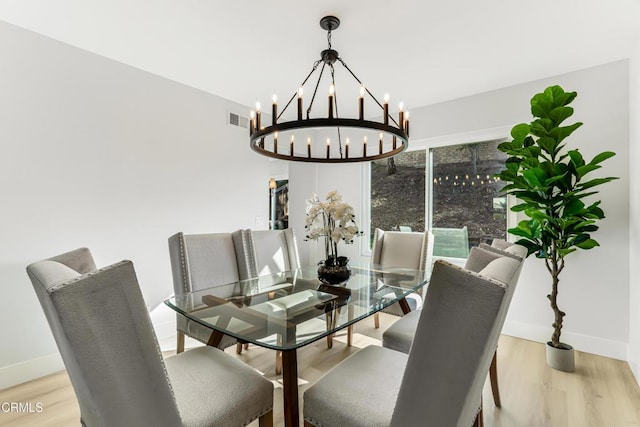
(332, 220)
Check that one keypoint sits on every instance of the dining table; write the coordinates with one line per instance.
(288, 310)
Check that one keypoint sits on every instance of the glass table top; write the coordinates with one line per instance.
(291, 309)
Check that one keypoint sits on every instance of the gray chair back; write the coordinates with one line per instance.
(201, 261)
(402, 249)
(103, 331)
(270, 251)
(444, 376)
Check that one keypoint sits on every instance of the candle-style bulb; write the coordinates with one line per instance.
(300, 103)
(361, 104)
(331, 91)
(252, 123)
(401, 106)
(385, 117)
(406, 122)
(274, 109)
(257, 106)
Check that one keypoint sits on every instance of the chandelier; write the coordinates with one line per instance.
(330, 138)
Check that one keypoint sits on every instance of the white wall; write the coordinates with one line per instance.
(99, 154)
(634, 225)
(595, 284)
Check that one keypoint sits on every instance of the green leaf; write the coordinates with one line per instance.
(520, 131)
(583, 170)
(548, 144)
(559, 114)
(602, 157)
(519, 208)
(594, 182)
(588, 244)
(534, 177)
(541, 127)
(564, 252)
(576, 158)
(532, 246)
(561, 132)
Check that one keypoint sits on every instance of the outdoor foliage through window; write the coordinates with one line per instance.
(397, 196)
(466, 205)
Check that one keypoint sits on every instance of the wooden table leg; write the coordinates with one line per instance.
(404, 305)
(290, 388)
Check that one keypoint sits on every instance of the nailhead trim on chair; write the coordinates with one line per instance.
(249, 252)
(183, 263)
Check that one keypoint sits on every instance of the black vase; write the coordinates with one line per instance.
(333, 271)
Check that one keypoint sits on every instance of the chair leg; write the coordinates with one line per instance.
(376, 320)
(239, 348)
(479, 421)
(266, 420)
(493, 377)
(329, 319)
(349, 335)
(180, 342)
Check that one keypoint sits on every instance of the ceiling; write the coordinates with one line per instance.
(422, 52)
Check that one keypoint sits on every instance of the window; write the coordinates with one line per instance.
(398, 192)
(466, 206)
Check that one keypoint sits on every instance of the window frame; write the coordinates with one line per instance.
(427, 144)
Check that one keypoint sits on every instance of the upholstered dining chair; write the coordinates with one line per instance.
(273, 251)
(103, 331)
(439, 383)
(266, 252)
(400, 335)
(405, 250)
(201, 261)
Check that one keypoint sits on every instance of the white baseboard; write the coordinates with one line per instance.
(30, 370)
(586, 343)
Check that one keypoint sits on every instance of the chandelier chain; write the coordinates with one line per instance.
(315, 66)
(335, 97)
(315, 91)
(366, 89)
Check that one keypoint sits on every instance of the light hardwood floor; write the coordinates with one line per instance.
(602, 392)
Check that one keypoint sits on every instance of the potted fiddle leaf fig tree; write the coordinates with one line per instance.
(551, 185)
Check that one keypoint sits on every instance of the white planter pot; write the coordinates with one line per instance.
(561, 359)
